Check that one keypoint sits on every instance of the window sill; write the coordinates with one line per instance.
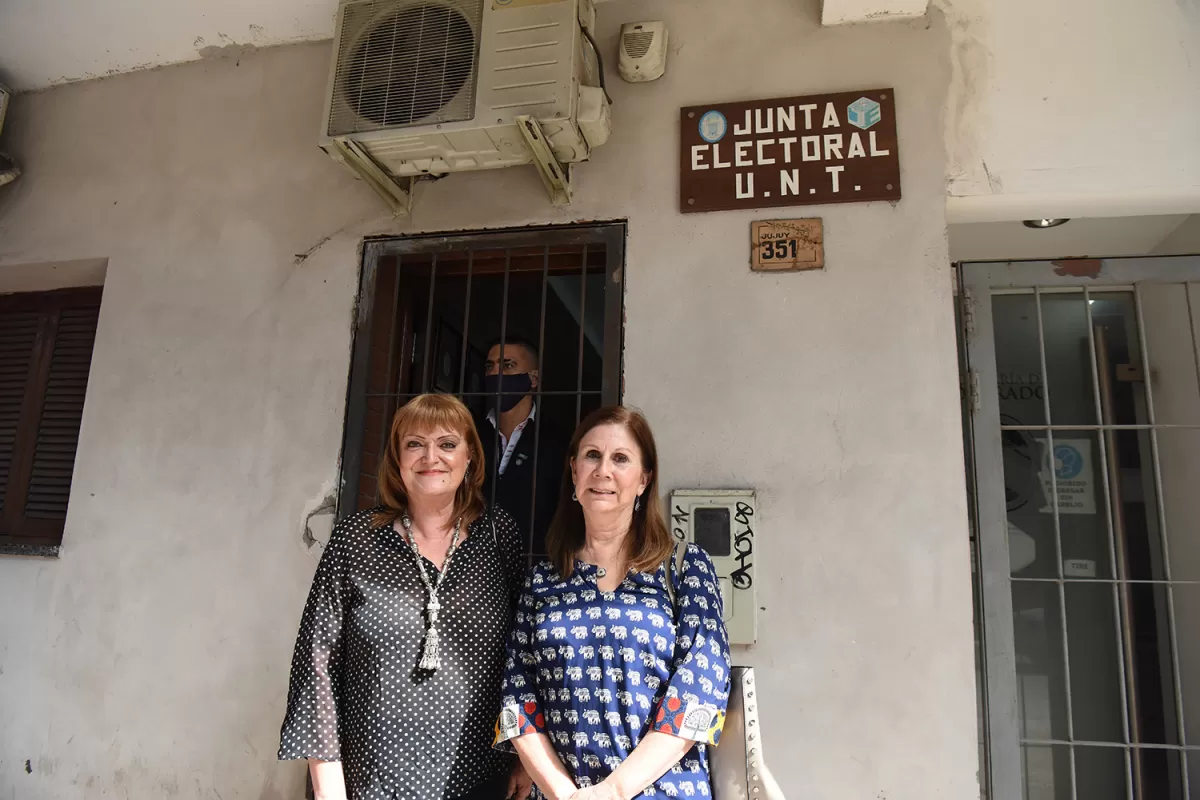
(35, 550)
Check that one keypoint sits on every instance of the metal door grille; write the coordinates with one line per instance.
(430, 305)
(1113, 436)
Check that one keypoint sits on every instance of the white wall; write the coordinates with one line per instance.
(1073, 108)
(150, 659)
(51, 42)
(1184, 240)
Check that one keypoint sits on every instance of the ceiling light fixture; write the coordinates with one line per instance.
(1042, 224)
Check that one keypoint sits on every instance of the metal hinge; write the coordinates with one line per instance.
(968, 311)
(973, 390)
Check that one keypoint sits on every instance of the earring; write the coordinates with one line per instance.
(467, 473)
(637, 502)
(574, 496)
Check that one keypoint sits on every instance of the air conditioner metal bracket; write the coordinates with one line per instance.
(398, 193)
(555, 175)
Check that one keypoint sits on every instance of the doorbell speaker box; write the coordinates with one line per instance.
(643, 51)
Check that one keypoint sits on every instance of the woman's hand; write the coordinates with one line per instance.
(544, 766)
(601, 791)
(519, 782)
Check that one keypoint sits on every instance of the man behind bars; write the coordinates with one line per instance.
(510, 432)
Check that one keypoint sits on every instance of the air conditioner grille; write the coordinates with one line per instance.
(402, 62)
(637, 44)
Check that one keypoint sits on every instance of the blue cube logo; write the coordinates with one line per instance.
(864, 112)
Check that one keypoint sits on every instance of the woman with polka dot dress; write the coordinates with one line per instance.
(401, 647)
(614, 684)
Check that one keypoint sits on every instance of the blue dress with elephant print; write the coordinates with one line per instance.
(596, 671)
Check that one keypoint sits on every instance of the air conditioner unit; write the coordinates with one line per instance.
(424, 88)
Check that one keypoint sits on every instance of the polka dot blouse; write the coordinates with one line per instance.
(356, 694)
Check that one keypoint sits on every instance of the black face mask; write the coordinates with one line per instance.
(514, 387)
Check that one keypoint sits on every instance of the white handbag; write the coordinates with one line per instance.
(737, 769)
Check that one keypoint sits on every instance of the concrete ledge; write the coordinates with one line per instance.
(36, 550)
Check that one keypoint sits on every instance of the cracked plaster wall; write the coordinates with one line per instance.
(1072, 108)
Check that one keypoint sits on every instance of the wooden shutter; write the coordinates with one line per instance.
(46, 341)
(391, 348)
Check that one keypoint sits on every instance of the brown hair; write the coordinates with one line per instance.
(651, 540)
(428, 412)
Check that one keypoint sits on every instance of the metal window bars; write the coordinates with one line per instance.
(428, 307)
(1152, 704)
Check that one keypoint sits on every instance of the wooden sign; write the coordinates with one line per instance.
(795, 151)
(778, 245)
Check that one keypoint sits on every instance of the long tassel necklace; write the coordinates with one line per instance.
(431, 657)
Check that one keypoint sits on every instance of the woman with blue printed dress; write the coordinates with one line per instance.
(611, 691)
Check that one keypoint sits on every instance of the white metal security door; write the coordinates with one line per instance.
(1084, 392)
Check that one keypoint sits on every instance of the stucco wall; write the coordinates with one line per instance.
(150, 659)
(1072, 108)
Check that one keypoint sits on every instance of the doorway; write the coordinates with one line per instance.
(1083, 428)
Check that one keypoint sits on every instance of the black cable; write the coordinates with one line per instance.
(599, 61)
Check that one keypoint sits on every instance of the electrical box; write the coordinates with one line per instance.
(721, 521)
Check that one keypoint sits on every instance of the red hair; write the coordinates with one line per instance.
(422, 414)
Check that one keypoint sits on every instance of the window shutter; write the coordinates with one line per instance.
(46, 344)
(62, 411)
(18, 334)
(388, 331)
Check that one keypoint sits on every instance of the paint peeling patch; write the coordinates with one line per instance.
(1078, 267)
(882, 15)
(122, 69)
(258, 33)
(318, 532)
(970, 71)
(28, 766)
(232, 50)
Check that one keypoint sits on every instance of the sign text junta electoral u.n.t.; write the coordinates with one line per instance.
(831, 148)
